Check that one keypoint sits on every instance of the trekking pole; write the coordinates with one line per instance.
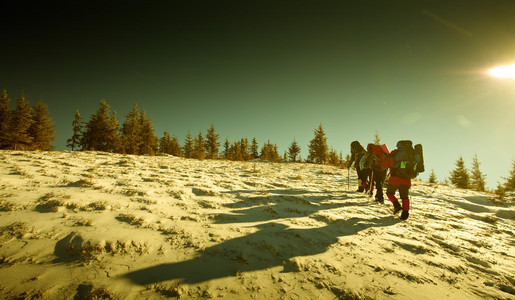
(348, 178)
(371, 192)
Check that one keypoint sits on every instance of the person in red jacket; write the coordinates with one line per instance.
(397, 183)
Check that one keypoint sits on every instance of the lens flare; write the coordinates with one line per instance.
(503, 72)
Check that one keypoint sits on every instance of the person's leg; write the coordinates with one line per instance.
(390, 193)
(379, 179)
(360, 178)
(366, 179)
(404, 194)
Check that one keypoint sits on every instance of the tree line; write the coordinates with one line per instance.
(136, 135)
(474, 178)
(25, 127)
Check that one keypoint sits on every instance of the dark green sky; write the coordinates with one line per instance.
(277, 69)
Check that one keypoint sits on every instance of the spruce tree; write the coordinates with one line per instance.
(212, 144)
(235, 152)
(245, 149)
(131, 132)
(227, 146)
(500, 190)
(377, 139)
(97, 131)
(318, 150)
(19, 124)
(5, 114)
(510, 181)
(269, 152)
(347, 160)
(460, 176)
(75, 141)
(432, 177)
(333, 157)
(148, 135)
(165, 143)
(266, 151)
(188, 146)
(293, 151)
(42, 130)
(199, 151)
(254, 149)
(477, 178)
(113, 138)
(175, 147)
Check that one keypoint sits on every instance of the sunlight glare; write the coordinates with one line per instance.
(503, 72)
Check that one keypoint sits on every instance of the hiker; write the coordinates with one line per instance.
(405, 163)
(373, 160)
(357, 153)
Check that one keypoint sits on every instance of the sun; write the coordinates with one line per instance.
(503, 72)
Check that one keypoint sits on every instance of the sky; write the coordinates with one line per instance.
(276, 70)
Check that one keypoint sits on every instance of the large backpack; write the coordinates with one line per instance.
(409, 160)
(375, 155)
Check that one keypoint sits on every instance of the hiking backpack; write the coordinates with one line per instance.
(375, 155)
(409, 160)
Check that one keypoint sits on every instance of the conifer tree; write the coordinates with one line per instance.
(19, 124)
(175, 147)
(318, 150)
(460, 176)
(113, 138)
(227, 146)
(5, 114)
(76, 140)
(333, 157)
(500, 190)
(212, 144)
(432, 177)
(234, 152)
(188, 146)
(42, 130)
(97, 131)
(245, 149)
(269, 152)
(131, 132)
(293, 151)
(199, 152)
(377, 139)
(510, 181)
(148, 135)
(477, 178)
(347, 160)
(165, 143)
(254, 149)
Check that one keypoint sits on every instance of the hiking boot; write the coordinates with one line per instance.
(404, 215)
(396, 207)
(380, 200)
(360, 189)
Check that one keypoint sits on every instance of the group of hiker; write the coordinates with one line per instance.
(375, 164)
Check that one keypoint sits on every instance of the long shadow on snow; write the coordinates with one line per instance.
(271, 207)
(271, 246)
(280, 210)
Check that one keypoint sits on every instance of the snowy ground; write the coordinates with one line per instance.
(86, 224)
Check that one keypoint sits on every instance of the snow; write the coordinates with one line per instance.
(79, 224)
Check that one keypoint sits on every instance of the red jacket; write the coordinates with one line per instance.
(389, 162)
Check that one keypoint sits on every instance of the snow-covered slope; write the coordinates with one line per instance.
(91, 224)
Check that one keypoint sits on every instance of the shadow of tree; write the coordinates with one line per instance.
(275, 243)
